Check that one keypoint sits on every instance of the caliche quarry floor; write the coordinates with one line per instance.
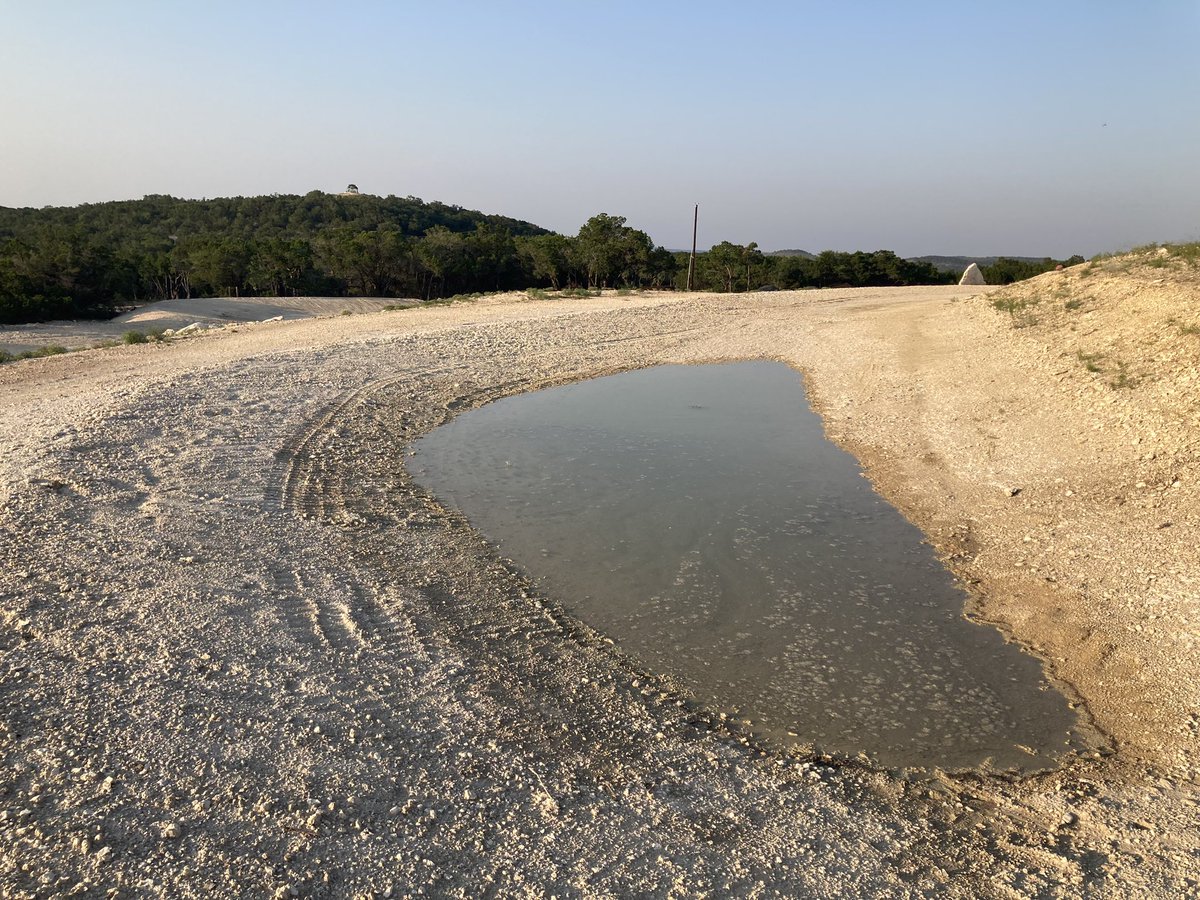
(242, 653)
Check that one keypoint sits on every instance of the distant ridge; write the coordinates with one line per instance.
(956, 264)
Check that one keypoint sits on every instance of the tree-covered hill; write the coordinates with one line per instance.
(93, 259)
(158, 217)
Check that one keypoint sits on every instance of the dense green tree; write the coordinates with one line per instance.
(610, 253)
(601, 247)
(443, 253)
(722, 264)
(660, 268)
(492, 262)
(279, 267)
(548, 258)
(221, 264)
(368, 263)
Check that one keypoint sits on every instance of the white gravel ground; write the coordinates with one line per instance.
(242, 654)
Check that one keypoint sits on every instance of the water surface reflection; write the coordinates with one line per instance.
(698, 516)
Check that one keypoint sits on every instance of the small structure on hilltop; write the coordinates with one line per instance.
(350, 191)
(972, 275)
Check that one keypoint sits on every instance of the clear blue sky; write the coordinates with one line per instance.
(924, 127)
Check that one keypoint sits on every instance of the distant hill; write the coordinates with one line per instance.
(958, 263)
(94, 259)
(159, 219)
(942, 263)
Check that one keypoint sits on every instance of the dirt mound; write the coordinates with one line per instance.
(178, 314)
(1130, 322)
(219, 310)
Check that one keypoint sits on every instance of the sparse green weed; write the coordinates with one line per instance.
(52, 350)
(48, 350)
(1122, 379)
(1091, 361)
(537, 294)
(133, 337)
(1018, 309)
(1189, 253)
(1154, 256)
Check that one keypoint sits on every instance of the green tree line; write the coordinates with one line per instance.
(737, 267)
(94, 260)
(1006, 270)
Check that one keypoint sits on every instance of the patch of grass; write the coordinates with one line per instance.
(1189, 253)
(1184, 329)
(50, 350)
(454, 298)
(154, 335)
(1154, 256)
(624, 292)
(1122, 379)
(346, 312)
(580, 292)
(1018, 309)
(1091, 361)
(537, 294)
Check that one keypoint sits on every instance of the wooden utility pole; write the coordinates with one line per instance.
(692, 260)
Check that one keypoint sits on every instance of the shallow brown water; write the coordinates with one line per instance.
(698, 516)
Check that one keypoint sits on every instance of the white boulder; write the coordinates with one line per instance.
(972, 275)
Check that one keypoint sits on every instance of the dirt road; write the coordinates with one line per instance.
(241, 653)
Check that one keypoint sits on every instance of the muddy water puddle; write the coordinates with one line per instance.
(699, 517)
